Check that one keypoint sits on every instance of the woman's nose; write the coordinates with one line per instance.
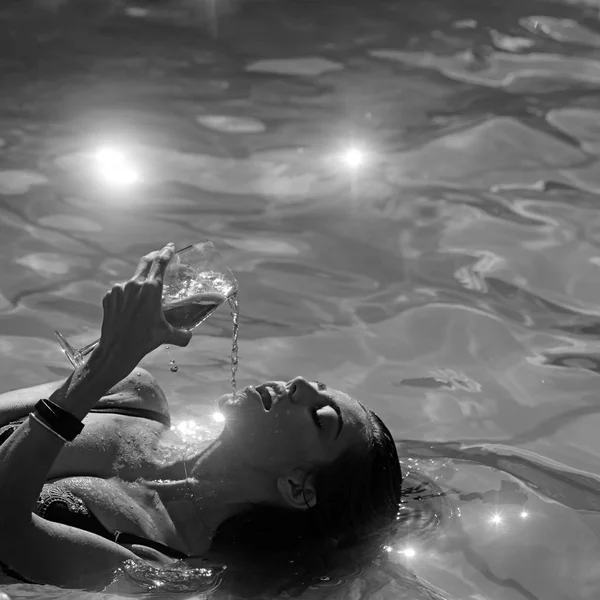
(300, 390)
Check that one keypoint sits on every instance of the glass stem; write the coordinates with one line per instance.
(87, 349)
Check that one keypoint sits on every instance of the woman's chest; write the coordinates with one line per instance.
(123, 448)
(118, 505)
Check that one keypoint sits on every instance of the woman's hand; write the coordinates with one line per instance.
(133, 323)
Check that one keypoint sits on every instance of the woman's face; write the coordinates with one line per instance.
(278, 427)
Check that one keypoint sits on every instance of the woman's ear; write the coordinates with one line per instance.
(297, 489)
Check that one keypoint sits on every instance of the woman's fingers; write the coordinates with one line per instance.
(143, 268)
(160, 263)
(154, 263)
(133, 322)
(113, 299)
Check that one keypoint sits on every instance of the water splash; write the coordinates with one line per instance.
(178, 578)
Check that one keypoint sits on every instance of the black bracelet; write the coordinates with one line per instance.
(62, 422)
(45, 425)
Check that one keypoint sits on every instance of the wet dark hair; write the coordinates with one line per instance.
(358, 497)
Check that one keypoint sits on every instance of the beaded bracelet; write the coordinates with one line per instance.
(62, 422)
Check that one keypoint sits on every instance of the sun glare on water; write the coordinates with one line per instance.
(353, 158)
(115, 168)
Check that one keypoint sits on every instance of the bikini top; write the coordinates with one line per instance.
(59, 505)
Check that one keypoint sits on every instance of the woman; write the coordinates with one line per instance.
(299, 472)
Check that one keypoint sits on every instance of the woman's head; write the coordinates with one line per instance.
(278, 436)
(329, 471)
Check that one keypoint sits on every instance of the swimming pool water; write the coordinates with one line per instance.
(409, 195)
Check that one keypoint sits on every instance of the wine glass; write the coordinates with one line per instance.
(195, 284)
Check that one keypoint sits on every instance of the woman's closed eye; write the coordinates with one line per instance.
(314, 413)
(324, 420)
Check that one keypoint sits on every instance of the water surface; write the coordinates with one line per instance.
(451, 280)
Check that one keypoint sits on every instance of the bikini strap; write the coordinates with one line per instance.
(134, 411)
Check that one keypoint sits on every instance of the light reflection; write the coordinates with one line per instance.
(218, 417)
(524, 514)
(186, 428)
(354, 157)
(496, 519)
(206, 428)
(115, 168)
(408, 552)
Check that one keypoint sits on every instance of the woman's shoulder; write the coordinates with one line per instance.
(138, 392)
(137, 395)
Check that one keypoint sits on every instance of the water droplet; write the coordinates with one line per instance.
(174, 367)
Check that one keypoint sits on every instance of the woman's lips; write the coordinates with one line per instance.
(271, 394)
(251, 391)
(238, 399)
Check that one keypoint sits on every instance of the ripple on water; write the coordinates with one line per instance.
(157, 201)
(509, 42)
(5, 304)
(269, 245)
(50, 264)
(231, 124)
(75, 304)
(39, 239)
(581, 123)
(310, 66)
(499, 151)
(425, 511)
(117, 269)
(70, 223)
(15, 182)
(562, 30)
(502, 69)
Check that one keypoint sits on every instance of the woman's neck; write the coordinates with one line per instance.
(221, 486)
(201, 490)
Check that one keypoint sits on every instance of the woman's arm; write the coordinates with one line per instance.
(17, 404)
(133, 325)
(139, 389)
